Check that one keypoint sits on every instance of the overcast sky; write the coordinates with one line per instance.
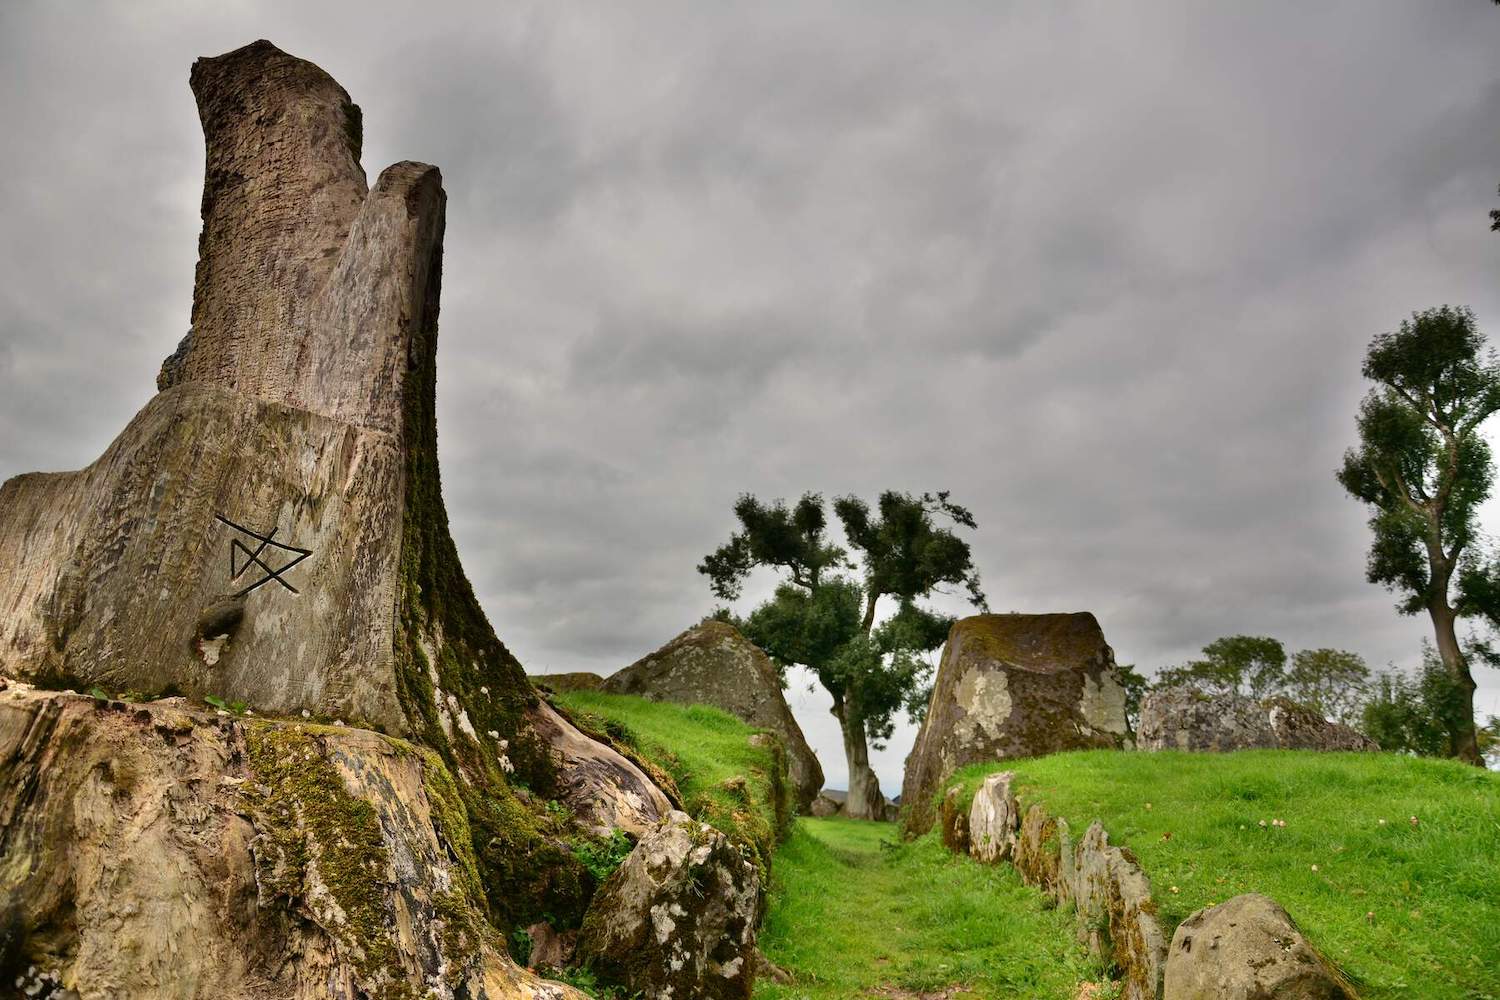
(1106, 271)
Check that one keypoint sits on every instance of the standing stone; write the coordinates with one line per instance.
(1181, 718)
(1014, 686)
(994, 817)
(1247, 949)
(678, 918)
(713, 664)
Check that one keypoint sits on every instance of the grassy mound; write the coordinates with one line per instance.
(1405, 908)
(854, 913)
(722, 777)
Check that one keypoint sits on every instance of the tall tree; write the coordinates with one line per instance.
(824, 613)
(1422, 468)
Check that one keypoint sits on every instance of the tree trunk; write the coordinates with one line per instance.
(865, 800)
(1461, 733)
(270, 528)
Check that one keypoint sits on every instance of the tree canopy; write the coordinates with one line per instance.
(823, 614)
(1422, 468)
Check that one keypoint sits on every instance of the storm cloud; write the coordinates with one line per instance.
(1104, 271)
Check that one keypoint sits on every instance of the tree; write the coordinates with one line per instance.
(1332, 682)
(1423, 469)
(823, 613)
(1248, 664)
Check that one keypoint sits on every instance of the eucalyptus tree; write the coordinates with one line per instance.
(1423, 469)
(824, 612)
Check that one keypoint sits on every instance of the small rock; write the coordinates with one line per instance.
(823, 806)
(549, 948)
(678, 918)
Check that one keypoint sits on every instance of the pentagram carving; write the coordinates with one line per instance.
(252, 557)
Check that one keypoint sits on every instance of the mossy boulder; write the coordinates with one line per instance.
(1013, 686)
(678, 919)
(577, 680)
(713, 664)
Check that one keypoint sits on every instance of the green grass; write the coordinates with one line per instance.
(1404, 910)
(853, 910)
(705, 751)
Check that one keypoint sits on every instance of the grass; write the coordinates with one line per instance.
(723, 779)
(1403, 909)
(854, 910)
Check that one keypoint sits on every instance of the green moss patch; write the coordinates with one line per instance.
(309, 824)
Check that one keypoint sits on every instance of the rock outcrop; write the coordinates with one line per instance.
(1182, 718)
(1247, 949)
(678, 918)
(1013, 686)
(156, 850)
(603, 789)
(713, 664)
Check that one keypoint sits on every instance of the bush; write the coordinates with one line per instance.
(1415, 714)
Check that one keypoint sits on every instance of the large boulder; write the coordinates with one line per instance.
(1183, 718)
(1247, 949)
(1014, 686)
(678, 918)
(157, 850)
(713, 664)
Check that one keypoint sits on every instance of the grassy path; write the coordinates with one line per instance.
(856, 913)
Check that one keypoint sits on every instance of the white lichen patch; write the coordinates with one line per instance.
(662, 923)
(984, 696)
(1102, 706)
(461, 718)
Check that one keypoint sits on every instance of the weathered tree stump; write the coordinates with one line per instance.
(270, 528)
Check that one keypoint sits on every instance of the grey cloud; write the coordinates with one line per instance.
(1104, 271)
